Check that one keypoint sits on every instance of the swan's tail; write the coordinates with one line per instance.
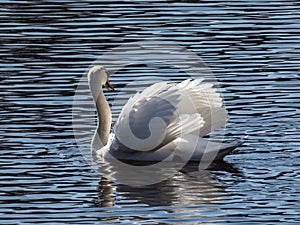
(227, 148)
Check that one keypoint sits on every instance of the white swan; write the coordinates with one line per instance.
(164, 122)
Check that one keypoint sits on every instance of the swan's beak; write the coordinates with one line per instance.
(108, 86)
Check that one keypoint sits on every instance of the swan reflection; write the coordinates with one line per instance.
(186, 187)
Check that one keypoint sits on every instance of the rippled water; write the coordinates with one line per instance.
(252, 47)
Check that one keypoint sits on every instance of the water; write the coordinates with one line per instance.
(253, 50)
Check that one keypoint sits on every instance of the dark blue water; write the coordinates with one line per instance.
(252, 48)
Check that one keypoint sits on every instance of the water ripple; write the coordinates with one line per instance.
(46, 47)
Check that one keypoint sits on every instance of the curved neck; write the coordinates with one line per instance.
(101, 135)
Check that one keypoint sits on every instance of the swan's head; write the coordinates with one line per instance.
(98, 76)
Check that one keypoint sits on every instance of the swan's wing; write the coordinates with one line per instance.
(164, 112)
(151, 119)
(207, 101)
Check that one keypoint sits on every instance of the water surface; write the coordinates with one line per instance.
(252, 47)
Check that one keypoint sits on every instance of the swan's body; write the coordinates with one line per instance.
(164, 122)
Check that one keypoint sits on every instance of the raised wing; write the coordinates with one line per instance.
(152, 119)
(206, 100)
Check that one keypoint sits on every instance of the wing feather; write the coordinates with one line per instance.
(165, 111)
(207, 101)
(144, 120)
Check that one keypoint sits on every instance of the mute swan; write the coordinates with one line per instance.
(164, 122)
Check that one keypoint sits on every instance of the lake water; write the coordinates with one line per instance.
(253, 50)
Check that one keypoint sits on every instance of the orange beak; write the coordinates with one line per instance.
(108, 86)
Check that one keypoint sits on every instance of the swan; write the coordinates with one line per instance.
(166, 121)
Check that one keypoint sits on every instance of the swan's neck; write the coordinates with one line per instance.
(104, 118)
